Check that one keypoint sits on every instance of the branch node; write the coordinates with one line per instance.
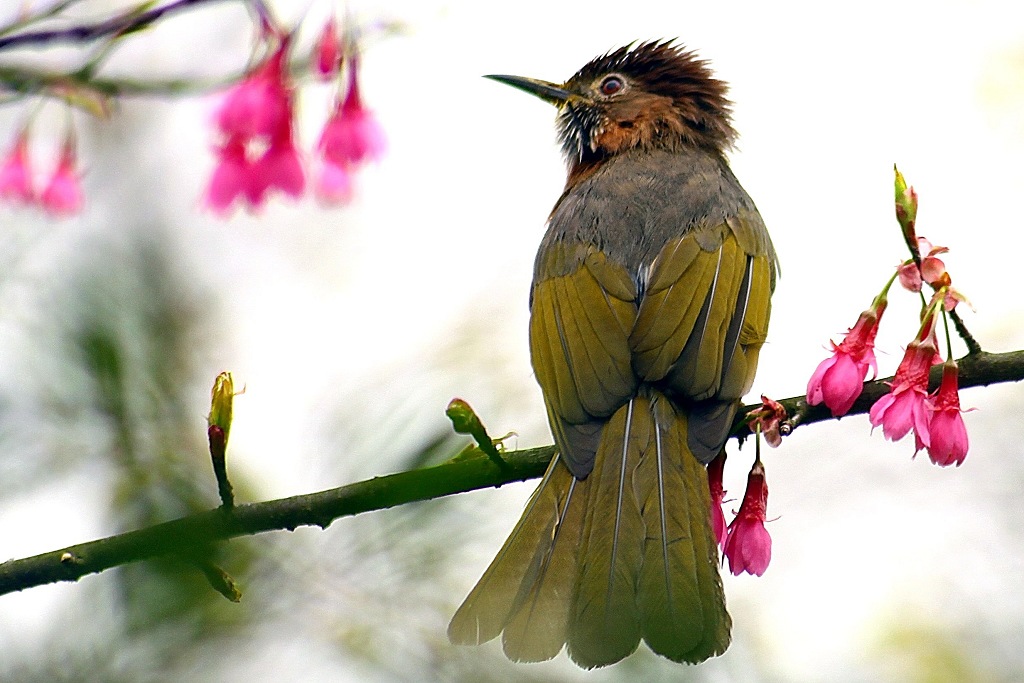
(69, 558)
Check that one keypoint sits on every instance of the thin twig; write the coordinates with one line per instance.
(86, 33)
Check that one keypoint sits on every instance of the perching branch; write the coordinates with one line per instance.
(464, 473)
(181, 536)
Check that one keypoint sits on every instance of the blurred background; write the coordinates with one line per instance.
(351, 329)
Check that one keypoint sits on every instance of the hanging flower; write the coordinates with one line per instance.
(261, 104)
(63, 193)
(749, 546)
(230, 178)
(16, 172)
(839, 379)
(328, 50)
(258, 154)
(716, 469)
(278, 168)
(947, 444)
(352, 136)
(903, 408)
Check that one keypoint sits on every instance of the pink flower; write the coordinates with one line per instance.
(948, 435)
(352, 135)
(904, 408)
(328, 50)
(715, 470)
(839, 379)
(261, 104)
(63, 193)
(279, 168)
(749, 546)
(230, 177)
(258, 155)
(16, 172)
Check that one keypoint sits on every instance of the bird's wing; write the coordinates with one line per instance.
(702, 321)
(581, 318)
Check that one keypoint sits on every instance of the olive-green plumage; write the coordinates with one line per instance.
(650, 303)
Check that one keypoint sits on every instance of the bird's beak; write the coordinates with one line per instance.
(549, 92)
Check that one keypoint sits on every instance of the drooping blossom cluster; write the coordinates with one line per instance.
(257, 153)
(933, 417)
(745, 542)
(60, 194)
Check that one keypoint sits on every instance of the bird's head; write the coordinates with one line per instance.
(653, 94)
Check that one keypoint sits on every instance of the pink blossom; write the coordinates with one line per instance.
(328, 50)
(904, 408)
(839, 379)
(749, 546)
(261, 104)
(715, 470)
(278, 168)
(16, 172)
(230, 177)
(258, 155)
(63, 193)
(948, 435)
(352, 135)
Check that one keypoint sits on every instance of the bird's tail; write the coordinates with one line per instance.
(599, 563)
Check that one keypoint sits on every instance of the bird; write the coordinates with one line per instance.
(649, 305)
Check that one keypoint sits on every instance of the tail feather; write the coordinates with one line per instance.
(682, 604)
(537, 628)
(601, 562)
(527, 582)
(605, 626)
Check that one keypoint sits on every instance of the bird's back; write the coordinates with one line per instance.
(633, 203)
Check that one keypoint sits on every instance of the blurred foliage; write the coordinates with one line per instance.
(919, 651)
(128, 346)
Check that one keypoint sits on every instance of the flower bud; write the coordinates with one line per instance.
(222, 398)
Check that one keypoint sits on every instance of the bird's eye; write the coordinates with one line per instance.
(611, 85)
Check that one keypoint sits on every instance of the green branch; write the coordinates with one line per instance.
(464, 473)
